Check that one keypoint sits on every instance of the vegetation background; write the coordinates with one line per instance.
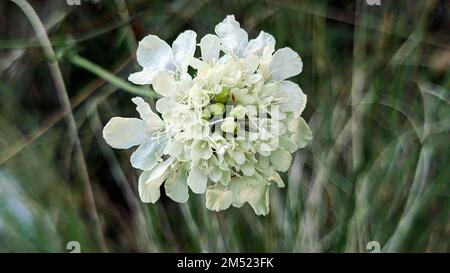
(378, 169)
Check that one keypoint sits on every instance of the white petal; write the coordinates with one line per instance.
(174, 148)
(256, 46)
(196, 153)
(184, 47)
(238, 156)
(176, 187)
(151, 181)
(210, 48)
(154, 53)
(184, 82)
(226, 178)
(197, 180)
(273, 175)
(143, 77)
(124, 133)
(250, 64)
(303, 135)
(234, 38)
(287, 144)
(164, 104)
(146, 156)
(218, 198)
(247, 169)
(154, 122)
(164, 84)
(281, 160)
(264, 161)
(264, 149)
(251, 191)
(197, 64)
(292, 97)
(215, 174)
(258, 198)
(285, 63)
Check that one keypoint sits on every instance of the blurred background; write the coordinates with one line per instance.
(378, 84)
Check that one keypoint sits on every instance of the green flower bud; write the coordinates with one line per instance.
(206, 114)
(217, 109)
(223, 96)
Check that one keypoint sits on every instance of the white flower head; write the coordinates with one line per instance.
(226, 130)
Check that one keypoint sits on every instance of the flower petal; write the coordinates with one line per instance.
(256, 46)
(210, 48)
(124, 133)
(303, 134)
(281, 160)
(176, 186)
(154, 53)
(247, 168)
(142, 77)
(292, 98)
(197, 180)
(147, 155)
(258, 198)
(251, 191)
(273, 175)
(287, 144)
(184, 47)
(238, 156)
(164, 84)
(218, 198)
(285, 63)
(151, 181)
(215, 174)
(164, 104)
(234, 38)
(154, 122)
(250, 64)
(174, 148)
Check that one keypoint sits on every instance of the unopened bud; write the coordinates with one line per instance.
(223, 96)
(206, 114)
(217, 109)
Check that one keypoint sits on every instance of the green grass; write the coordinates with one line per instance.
(378, 86)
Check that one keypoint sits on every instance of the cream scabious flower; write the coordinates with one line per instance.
(226, 130)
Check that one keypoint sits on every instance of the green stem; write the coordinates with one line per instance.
(109, 77)
(44, 41)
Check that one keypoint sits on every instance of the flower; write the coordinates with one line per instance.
(225, 131)
(155, 55)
